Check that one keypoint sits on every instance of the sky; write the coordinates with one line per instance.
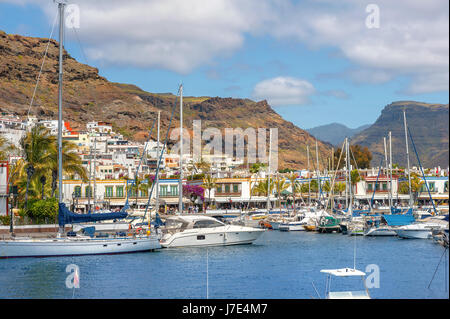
(315, 61)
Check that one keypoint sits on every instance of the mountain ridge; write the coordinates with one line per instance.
(428, 124)
(88, 96)
(335, 133)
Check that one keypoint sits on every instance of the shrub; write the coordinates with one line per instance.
(43, 208)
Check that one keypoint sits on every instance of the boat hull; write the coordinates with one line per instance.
(76, 247)
(292, 227)
(219, 237)
(309, 227)
(413, 234)
(380, 232)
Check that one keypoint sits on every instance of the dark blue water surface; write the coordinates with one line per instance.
(278, 265)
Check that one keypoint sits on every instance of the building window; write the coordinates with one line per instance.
(370, 187)
(174, 190)
(88, 191)
(219, 189)
(227, 188)
(143, 193)
(385, 186)
(108, 191)
(235, 188)
(163, 190)
(119, 191)
(77, 191)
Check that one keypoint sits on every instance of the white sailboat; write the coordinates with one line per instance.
(64, 245)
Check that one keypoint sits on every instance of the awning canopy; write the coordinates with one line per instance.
(344, 272)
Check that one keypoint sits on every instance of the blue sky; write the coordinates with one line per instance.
(315, 64)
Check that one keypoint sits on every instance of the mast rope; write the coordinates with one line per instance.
(160, 158)
(42, 65)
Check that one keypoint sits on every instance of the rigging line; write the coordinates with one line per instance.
(357, 169)
(421, 169)
(140, 162)
(445, 250)
(160, 156)
(334, 179)
(42, 65)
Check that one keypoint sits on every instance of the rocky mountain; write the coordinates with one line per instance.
(428, 124)
(88, 96)
(335, 133)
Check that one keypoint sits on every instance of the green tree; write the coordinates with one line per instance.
(263, 188)
(35, 146)
(209, 183)
(71, 161)
(361, 154)
(294, 186)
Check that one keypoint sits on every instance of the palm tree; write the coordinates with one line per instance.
(294, 186)
(262, 188)
(280, 185)
(35, 146)
(209, 183)
(71, 161)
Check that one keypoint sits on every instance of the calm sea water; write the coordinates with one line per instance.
(278, 265)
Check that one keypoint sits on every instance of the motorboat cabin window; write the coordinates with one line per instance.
(207, 224)
(200, 237)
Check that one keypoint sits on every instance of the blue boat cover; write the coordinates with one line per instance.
(399, 220)
(65, 216)
(399, 211)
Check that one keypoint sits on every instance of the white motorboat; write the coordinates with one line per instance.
(293, 226)
(380, 231)
(198, 230)
(417, 230)
(345, 272)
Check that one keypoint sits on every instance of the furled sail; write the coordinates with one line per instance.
(65, 216)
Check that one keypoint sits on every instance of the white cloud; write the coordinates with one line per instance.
(412, 41)
(178, 35)
(284, 91)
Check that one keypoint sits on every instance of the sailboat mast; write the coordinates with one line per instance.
(90, 174)
(95, 170)
(407, 158)
(347, 174)
(309, 178)
(387, 169)
(318, 174)
(350, 192)
(60, 86)
(157, 171)
(180, 185)
(390, 169)
(268, 176)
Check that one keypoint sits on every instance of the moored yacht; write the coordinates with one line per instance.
(417, 230)
(198, 230)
